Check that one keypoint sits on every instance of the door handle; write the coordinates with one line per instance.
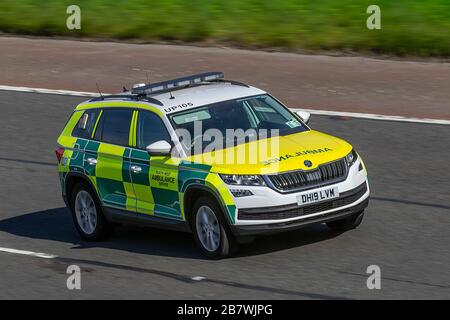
(91, 161)
(136, 169)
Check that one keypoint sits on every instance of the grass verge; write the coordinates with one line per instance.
(409, 27)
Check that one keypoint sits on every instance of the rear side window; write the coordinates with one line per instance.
(86, 124)
(150, 128)
(114, 126)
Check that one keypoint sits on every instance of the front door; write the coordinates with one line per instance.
(155, 178)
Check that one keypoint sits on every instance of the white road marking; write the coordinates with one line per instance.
(372, 116)
(198, 278)
(28, 253)
(369, 116)
(50, 91)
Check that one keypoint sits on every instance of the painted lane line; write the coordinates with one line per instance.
(372, 116)
(198, 278)
(50, 91)
(28, 253)
(369, 116)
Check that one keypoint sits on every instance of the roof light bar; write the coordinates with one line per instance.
(153, 88)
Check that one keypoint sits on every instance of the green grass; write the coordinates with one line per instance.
(409, 27)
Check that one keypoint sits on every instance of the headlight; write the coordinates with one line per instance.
(351, 158)
(242, 180)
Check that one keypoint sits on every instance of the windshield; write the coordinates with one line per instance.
(257, 117)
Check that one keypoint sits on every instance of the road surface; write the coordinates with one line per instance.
(405, 231)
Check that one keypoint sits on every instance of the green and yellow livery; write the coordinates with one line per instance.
(160, 156)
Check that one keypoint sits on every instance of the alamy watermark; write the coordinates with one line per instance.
(73, 22)
(229, 146)
(374, 279)
(374, 20)
(74, 280)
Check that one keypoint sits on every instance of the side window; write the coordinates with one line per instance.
(150, 128)
(114, 126)
(86, 124)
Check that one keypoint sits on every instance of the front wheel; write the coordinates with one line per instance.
(348, 223)
(211, 232)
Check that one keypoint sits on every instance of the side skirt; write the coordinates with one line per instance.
(128, 217)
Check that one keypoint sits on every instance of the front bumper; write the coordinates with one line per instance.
(270, 228)
(278, 212)
(294, 211)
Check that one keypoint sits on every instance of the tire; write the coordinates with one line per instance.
(87, 214)
(209, 227)
(348, 223)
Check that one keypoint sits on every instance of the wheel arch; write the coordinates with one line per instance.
(193, 192)
(70, 182)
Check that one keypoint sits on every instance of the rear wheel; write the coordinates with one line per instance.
(87, 214)
(211, 232)
(347, 223)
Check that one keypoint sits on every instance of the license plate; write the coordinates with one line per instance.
(317, 196)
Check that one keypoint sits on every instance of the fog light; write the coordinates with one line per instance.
(241, 193)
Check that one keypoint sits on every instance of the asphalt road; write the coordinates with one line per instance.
(405, 232)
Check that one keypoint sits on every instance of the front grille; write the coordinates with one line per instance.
(292, 211)
(325, 174)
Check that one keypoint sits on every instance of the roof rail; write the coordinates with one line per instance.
(178, 83)
(135, 97)
(114, 96)
(236, 83)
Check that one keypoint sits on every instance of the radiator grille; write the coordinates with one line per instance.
(299, 180)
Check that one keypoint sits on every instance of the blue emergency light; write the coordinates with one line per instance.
(159, 87)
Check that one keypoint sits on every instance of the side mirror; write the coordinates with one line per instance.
(159, 148)
(304, 115)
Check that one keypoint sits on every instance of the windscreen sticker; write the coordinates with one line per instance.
(293, 123)
(264, 109)
(191, 117)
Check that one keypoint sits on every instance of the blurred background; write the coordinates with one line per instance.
(409, 27)
(386, 91)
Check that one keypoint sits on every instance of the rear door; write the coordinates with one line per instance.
(112, 140)
(84, 150)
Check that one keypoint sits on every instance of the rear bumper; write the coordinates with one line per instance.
(354, 201)
(66, 201)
